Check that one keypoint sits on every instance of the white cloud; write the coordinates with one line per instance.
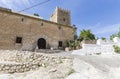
(107, 29)
(14, 4)
(102, 30)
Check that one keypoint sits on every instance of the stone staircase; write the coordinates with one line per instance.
(48, 51)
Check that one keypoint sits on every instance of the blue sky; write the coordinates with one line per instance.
(101, 16)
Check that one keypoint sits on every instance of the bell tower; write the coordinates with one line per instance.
(61, 16)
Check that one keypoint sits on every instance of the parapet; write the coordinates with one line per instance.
(5, 9)
(64, 10)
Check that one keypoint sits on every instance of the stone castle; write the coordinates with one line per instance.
(28, 32)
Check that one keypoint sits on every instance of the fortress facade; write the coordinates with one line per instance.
(28, 32)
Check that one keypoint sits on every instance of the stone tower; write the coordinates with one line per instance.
(61, 16)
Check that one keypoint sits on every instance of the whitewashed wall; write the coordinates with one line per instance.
(103, 47)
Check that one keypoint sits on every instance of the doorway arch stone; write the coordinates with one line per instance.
(41, 43)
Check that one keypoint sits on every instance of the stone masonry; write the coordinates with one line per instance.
(23, 61)
(19, 31)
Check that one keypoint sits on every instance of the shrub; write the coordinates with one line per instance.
(71, 71)
(73, 44)
(98, 53)
(35, 14)
(116, 49)
(86, 35)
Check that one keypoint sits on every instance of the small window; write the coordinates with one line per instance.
(59, 27)
(22, 19)
(64, 19)
(19, 40)
(60, 44)
(41, 24)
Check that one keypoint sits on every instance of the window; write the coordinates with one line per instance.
(60, 44)
(41, 24)
(59, 27)
(19, 40)
(64, 19)
(22, 19)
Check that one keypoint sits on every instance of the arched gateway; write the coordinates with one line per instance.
(41, 43)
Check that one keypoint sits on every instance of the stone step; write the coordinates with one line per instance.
(48, 51)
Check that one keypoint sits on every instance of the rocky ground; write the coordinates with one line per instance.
(58, 66)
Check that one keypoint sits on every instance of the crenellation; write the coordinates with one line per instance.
(61, 16)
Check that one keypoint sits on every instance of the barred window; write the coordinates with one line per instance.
(19, 40)
(60, 44)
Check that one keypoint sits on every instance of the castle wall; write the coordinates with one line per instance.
(61, 16)
(14, 25)
(53, 17)
(64, 17)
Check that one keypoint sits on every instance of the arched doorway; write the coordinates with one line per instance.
(41, 43)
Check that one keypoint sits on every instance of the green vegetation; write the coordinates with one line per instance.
(116, 49)
(98, 53)
(60, 61)
(70, 72)
(86, 35)
(103, 38)
(115, 35)
(73, 44)
(35, 14)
